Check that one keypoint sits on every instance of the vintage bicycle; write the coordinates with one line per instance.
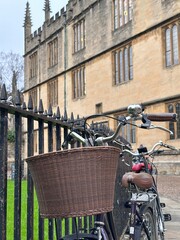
(92, 194)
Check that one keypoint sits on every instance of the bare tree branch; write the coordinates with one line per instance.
(11, 70)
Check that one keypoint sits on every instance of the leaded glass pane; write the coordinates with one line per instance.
(168, 47)
(121, 12)
(121, 66)
(116, 67)
(115, 14)
(175, 45)
(126, 68)
(125, 11)
(130, 64)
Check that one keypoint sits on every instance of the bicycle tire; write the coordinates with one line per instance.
(149, 225)
(159, 226)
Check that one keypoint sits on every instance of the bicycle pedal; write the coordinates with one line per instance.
(163, 205)
(167, 217)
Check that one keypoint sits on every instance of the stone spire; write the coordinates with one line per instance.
(47, 10)
(27, 21)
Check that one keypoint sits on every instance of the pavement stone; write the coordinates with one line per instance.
(173, 226)
(169, 189)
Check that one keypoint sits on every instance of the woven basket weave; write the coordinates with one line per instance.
(76, 182)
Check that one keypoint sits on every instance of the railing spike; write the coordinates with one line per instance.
(30, 103)
(41, 108)
(82, 121)
(50, 112)
(65, 115)
(45, 113)
(92, 125)
(58, 115)
(3, 93)
(78, 120)
(35, 109)
(24, 106)
(18, 99)
(72, 117)
(101, 127)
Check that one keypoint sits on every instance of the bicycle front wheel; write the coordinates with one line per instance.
(148, 227)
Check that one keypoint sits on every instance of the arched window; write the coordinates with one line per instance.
(122, 12)
(172, 45)
(123, 65)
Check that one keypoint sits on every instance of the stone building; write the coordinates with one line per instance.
(102, 55)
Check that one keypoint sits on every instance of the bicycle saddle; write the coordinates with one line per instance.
(141, 180)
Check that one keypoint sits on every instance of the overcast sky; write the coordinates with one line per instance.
(12, 14)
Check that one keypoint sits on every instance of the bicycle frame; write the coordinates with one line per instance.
(145, 201)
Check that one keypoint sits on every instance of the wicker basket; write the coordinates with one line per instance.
(76, 182)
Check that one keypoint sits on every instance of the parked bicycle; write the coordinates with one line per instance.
(146, 219)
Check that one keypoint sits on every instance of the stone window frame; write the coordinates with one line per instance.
(79, 83)
(171, 44)
(122, 12)
(79, 35)
(174, 107)
(52, 92)
(123, 65)
(33, 63)
(53, 52)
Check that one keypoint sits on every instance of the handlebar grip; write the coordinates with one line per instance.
(162, 117)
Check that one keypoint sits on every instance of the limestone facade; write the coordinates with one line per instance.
(71, 60)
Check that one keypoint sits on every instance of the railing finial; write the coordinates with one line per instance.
(65, 116)
(3, 93)
(24, 106)
(18, 99)
(50, 112)
(41, 108)
(58, 115)
(72, 117)
(30, 103)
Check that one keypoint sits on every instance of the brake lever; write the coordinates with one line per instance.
(170, 147)
(161, 128)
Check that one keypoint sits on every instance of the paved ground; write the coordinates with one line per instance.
(169, 189)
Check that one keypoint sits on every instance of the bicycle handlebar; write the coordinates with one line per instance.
(135, 112)
(146, 119)
(150, 152)
(162, 117)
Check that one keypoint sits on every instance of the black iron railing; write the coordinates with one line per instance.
(45, 122)
(28, 120)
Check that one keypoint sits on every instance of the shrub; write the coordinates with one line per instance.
(11, 136)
